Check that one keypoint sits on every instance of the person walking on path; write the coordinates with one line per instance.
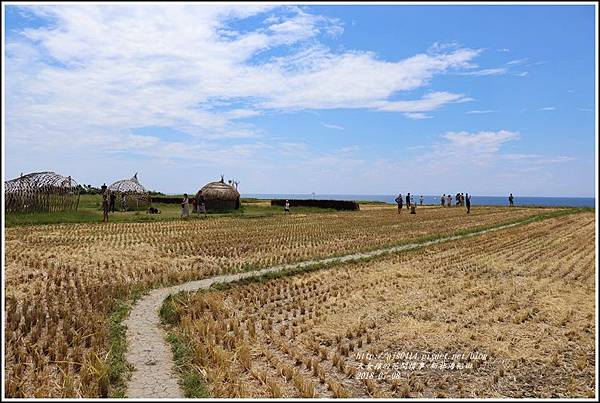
(468, 202)
(185, 206)
(407, 201)
(449, 200)
(286, 206)
(398, 200)
(421, 200)
(511, 200)
(105, 203)
(444, 200)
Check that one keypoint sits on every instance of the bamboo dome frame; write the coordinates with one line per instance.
(130, 194)
(41, 192)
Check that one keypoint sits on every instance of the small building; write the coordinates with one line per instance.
(130, 194)
(219, 196)
(41, 192)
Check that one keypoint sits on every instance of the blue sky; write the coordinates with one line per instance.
(339, 99)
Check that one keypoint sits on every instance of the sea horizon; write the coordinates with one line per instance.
(575, 201)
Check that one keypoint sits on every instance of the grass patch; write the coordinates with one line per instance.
(90, 213)
(168, 311)
(190, 378)
(119, 369)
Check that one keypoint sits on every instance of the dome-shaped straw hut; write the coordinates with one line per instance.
(220, 196)
(130, 194)
(41, 192)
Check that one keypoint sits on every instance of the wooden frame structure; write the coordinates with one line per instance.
(130, 194)
(41, 192)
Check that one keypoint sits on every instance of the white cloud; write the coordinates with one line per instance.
(103, 69)
(417, 115)
(478, 112)
(522, 74)
(485, 72)
(427, 103)
(331, 126)
(503, 50)
(537, 158)
(463, 147)
(548, 108)
(517, 61)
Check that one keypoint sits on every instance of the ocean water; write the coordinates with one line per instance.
(428, 199)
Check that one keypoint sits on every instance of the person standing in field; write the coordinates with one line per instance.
(468, 202)
(185, 206)
(457, 200)
(444, 200)
(286, 206)
(105, 204)
(408, 200)
(399, 202)
(123, 202)
(449, 200)
(194, 206)
(113, 198)
(511, 200)
(462, 200)
(421, 200)
(200, 204)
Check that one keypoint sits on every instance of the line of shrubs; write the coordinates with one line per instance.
(333, 204)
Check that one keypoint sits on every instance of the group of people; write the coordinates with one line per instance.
(109, 200)
(198, 205)
(410, 203)
(460, 200)
(446, 200)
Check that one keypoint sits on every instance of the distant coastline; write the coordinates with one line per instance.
(428, 199)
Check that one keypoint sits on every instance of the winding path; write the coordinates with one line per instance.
(154, 375)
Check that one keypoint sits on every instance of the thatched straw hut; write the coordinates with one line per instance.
(41, 192)
(130, 194)
(220, 196)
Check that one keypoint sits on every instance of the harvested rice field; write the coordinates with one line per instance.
(504, 314)
(65, 286)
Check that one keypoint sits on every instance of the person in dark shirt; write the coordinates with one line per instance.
(407, 201)
(511, 200)
(113, 197)
(399, 202)
(468, 202)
